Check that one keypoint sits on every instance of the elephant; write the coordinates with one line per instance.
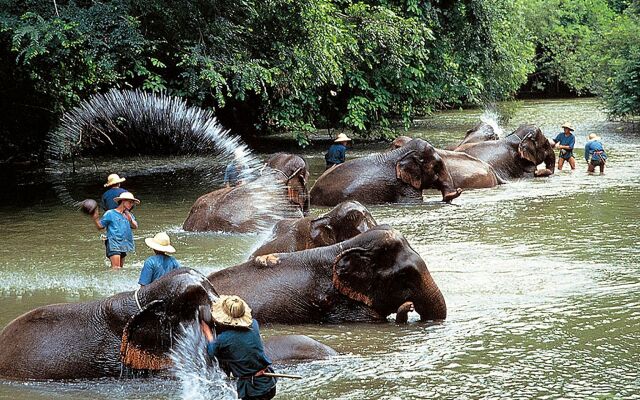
(233, 209)
(517, 155)
(363, 279)
(125, 334)
(343, 222)
(392, 177)
(482, 132)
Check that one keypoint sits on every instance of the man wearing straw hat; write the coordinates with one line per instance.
(239, 348)
(337, 151)
(565, 142)
(119, 223)
(594, 154)
(161, 263)
(113, 183)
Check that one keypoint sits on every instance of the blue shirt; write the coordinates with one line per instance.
(241, 352)
(232, 174)
(565, 140)
(119, 233)
(108, 202)
(594, 150)
(336, 154)
(156, 266)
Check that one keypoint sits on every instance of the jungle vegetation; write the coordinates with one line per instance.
(296, 66)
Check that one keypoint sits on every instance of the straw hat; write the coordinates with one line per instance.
(113, 179)
(568, 126)
(231, 311)
(342, 138)
(593, 136)
(160, 242)
(126, 196)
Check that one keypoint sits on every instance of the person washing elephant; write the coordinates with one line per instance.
(239, 348)
(565, 142)
(337, 152)
(119, 223)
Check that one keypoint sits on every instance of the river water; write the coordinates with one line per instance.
(541, 277)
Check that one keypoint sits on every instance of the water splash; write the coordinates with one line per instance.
(130, 125)
(491, 117)
(198, 377)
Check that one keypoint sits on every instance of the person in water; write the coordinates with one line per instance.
(594, 154)
(119, 223)
(239, 348)
(565, 142)
(337, 152)
(113, 183)
(161, 262)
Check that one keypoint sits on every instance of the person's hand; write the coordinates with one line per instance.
(127, 215)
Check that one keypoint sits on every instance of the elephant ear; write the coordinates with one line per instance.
(146, 339)
(322, 233)
(352, 275)
(409, 170)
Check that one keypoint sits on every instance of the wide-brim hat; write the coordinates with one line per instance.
(568, 126)
(231, 311)
(126, 196)
(160, 242)
(113, 179)
(342, 138)
(593, 136)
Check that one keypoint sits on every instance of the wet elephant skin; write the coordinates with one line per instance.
(363, 279)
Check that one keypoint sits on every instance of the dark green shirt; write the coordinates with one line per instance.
(241, 353)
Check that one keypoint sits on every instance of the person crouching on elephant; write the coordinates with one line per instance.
(119, 223)
(565, 142)
(161, 263)
(337, 152)
(239, 348)
(594, 154)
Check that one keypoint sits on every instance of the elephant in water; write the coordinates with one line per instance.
(234, 209)
(482, 132)
(127, 332)
(343, 222)
(363, 279)
(392, 177)
(517, 155)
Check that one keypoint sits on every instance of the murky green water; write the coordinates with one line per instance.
(541, 279)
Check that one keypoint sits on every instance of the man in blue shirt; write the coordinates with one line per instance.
(113, 183)
(337, 151)
(594, 154)
(239, 348)
(119, 223)
(565, 142)
(161, 263)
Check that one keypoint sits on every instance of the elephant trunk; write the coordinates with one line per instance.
(446, 186)
(550, 160)
(431, 304)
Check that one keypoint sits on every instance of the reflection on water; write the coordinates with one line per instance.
(540, 278)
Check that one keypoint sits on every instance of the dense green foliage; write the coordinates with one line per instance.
(298, 66)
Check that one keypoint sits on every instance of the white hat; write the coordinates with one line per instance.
(113, 179)
(342, 138)
(126, 196)
(568, 126)
(160, 242)
(594, 136)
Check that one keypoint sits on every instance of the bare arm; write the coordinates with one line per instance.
(96, 220)
(206, 331)
(132, 221)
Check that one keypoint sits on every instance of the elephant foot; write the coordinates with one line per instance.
(402, 315)
(447, 197)
(542, 172)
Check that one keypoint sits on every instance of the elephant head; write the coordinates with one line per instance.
(535, 147)
(421, 167)
(383, 272)
(293, 172)
(344, 221)
(163, 305)
(400, 141)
